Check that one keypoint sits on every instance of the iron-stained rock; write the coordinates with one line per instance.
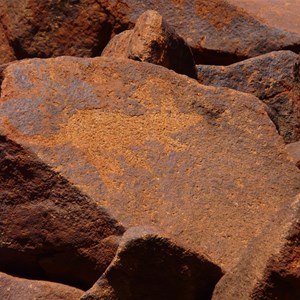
(204, 164)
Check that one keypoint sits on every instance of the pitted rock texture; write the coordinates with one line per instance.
(152, 40)
(269, 268)
(154, 147)
(149, 266)
(49, 229)
(217, 31)
(6, 51)
(42, 28)
(274, 78)
(14, 288)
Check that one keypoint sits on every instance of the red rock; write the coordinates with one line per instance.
(274, 78)
(217, 31)
(153, 41)
(6, 52)
(49, 229)
(280, 14)
(149, 266)
(269, 268)
(14, 288)
(294, 152)
(153, 147)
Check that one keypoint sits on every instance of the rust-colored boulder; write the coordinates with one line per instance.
(153, 147)
(270, 267)
(6, 52)
(42, 28)
(274, 78)
(149, 266)
(152, 40)
(294, 151)
(49, 229)
(217, 31)
(13, 288)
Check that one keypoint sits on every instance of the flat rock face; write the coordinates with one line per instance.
(269, 269)
(281, 14)
(204, 164)
(149, 266)
(49, 229)
(274, 78)
(152, 40)
(14, 288)
(294, 151)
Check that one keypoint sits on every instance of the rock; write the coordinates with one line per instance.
(279, 13)
(269, 268)
(6, 52)
(217, 31)
(49, 229)
(153, 147)
(14, 288)
(273, 78)
(153, 41)
(149, 266)
(42, 28)
(294, 152)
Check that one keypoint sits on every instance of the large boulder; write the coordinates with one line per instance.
(269, 269)
(217, 31)
(14, 288)
(49, 229)
(153, 147)
(149, 266)
(152, 40)
(274, 78)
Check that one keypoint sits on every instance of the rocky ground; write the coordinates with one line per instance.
(149, 150)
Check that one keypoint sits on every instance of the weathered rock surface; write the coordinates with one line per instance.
(270, 267)
(41, 28)
(218, 32)
(6, 52)
(152, 40)
(149, 266)
(204, 164)
(275, 13)
(274, 78)
(49, 229)
(14, 288)
(294, 152)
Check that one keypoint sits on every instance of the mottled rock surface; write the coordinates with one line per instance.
(49, 229)
(149, 266)
(13, 288)
(204, 164)
(218, 32)
(270, 267)
(294, 152)
(42, 28)
(152, 40)
(274, 78)
(6, 52)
